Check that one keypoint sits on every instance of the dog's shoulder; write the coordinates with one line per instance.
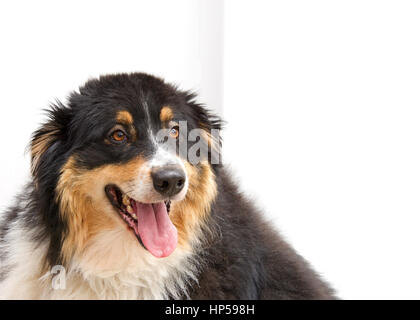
(247, 258)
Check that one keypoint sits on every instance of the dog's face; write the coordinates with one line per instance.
(119, 157)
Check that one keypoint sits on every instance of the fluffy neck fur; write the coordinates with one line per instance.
(112, 267)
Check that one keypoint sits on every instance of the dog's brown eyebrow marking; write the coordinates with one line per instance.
(166, 114)
(124, 117)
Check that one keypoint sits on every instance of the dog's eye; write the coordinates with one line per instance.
(118, 136)
(174, 132)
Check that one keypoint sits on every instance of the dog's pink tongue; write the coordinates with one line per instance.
(156, 230)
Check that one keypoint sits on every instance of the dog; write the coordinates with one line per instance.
(124, 204)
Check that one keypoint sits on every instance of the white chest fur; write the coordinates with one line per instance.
(113, 266)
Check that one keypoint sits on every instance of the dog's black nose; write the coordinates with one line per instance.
(168, 180)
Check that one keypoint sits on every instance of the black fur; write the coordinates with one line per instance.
(247, 259)
(244, 258)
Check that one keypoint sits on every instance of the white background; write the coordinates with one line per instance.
(322, 101)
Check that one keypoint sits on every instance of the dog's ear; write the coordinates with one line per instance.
(47, 138)
(211, 124)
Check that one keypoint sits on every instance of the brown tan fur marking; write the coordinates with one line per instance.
(84, 205)
(41, 144)
(166, 114)
(189, 215)
(124, 117)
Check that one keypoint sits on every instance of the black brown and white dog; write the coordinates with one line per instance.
(125, 216)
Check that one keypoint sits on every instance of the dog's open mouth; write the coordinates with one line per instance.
(150, 222)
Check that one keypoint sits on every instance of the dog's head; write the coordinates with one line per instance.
(129, 154)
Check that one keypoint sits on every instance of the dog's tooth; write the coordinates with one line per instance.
(126, 200)
(130, 209)
(134, 216)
